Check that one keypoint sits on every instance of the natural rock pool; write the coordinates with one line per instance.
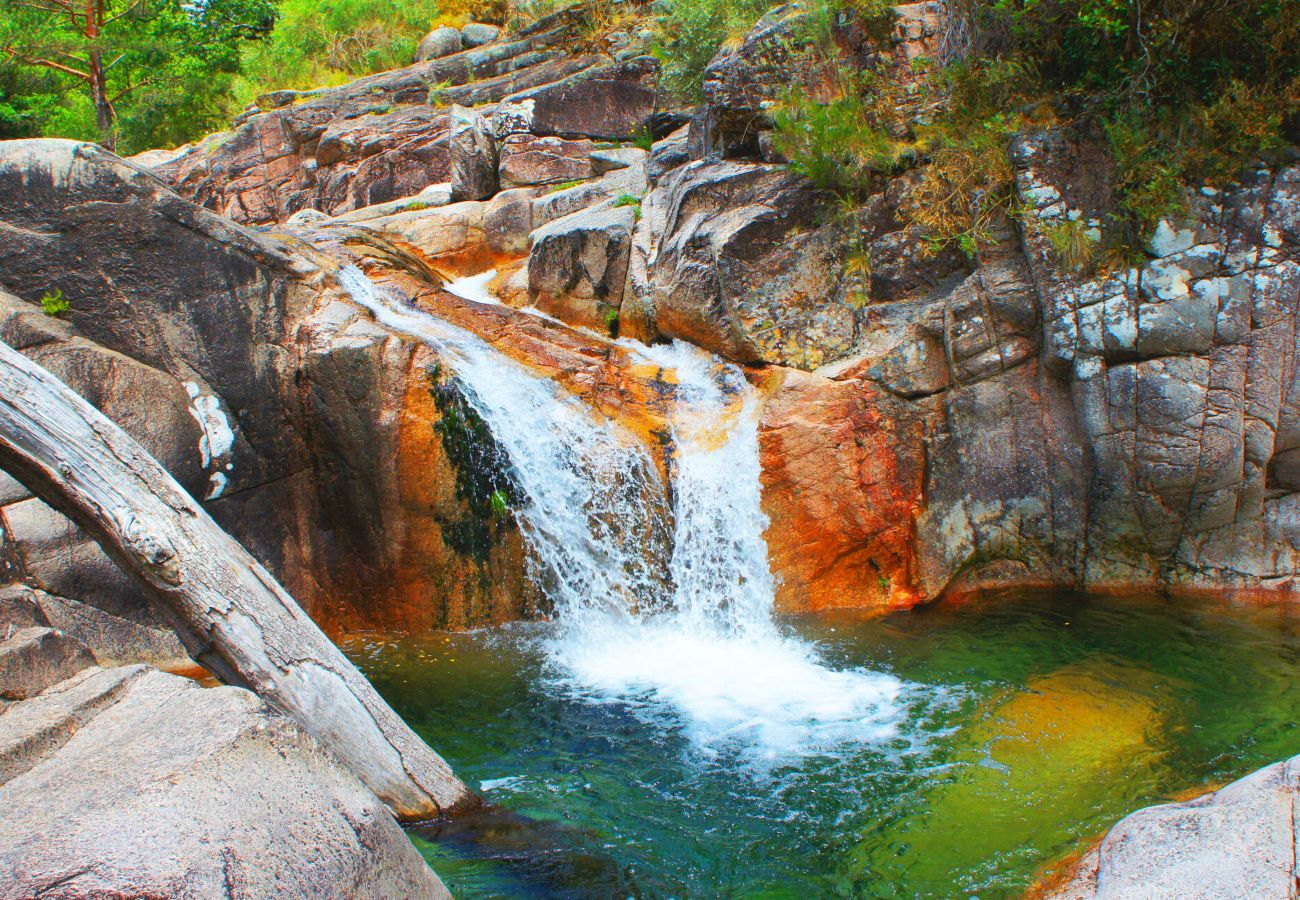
(1022, 726)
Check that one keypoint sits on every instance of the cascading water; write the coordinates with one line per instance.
(694, 646)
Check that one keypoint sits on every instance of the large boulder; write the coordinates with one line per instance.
(578, 266)
(438, 43)
(736, 260)
(1236, 842)
(232, 799)
(529, 160)
(476, 34)
(612, 102)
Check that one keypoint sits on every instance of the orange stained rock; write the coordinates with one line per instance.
(842, 467)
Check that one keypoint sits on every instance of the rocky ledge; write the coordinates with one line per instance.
(131, 782)
(1236, 842)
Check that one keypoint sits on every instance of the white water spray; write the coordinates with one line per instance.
(694, 646)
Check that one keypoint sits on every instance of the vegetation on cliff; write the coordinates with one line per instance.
(1184, 93)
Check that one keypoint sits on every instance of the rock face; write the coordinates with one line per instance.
(230, 798)
(731, 257)
(527, 160)
(473, 156)
(1236, 842)
(224, 354)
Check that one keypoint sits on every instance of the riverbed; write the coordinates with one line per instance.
(1004, 735)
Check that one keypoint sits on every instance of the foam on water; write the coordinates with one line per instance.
(666, 612)
(473, 287)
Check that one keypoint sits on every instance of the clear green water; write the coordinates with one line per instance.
(1039, 720)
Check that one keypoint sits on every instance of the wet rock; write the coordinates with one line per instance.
(578, 265)
(451, 237)
(231, 799)
(440, 42)
(842, 468)
(473, 156)
(528, 160)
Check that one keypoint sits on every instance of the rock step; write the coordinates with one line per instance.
(231, 799)
(34, 729)
(32, 659)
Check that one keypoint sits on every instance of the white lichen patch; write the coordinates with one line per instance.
(217, 437)
(216, 485)
(1169, 240)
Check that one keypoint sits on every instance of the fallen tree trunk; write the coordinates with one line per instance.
(232, 615)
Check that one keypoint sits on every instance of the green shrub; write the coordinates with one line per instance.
(53, 303)
(838, 145)
(610, 318)
(500, 503)
(318, 45)
(688, 33)
(565, 185)
(1073, 243)
(629, 200)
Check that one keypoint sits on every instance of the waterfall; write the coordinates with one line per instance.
(694, 647)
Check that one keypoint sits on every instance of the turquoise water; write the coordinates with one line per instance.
(1026, 726)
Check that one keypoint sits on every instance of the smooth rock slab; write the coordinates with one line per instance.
(178, 791)
(1234, 843)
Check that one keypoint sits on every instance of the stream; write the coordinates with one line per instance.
(667, 735)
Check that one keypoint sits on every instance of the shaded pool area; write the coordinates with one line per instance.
(1029, 724)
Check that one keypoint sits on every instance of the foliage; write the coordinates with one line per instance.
(838, 145)
(53, 303)
(1186, 91)
(500, 503)
(610, 318)
(154, 72)
(565, 185)
(1073, 242)
(317, 44)
(690, 32)
(645, 139)
(629, 200)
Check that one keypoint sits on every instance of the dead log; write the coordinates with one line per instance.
(232, 615)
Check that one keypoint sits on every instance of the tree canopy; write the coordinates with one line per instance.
(161, 68)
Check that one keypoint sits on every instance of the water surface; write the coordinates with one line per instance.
(1006, 734)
